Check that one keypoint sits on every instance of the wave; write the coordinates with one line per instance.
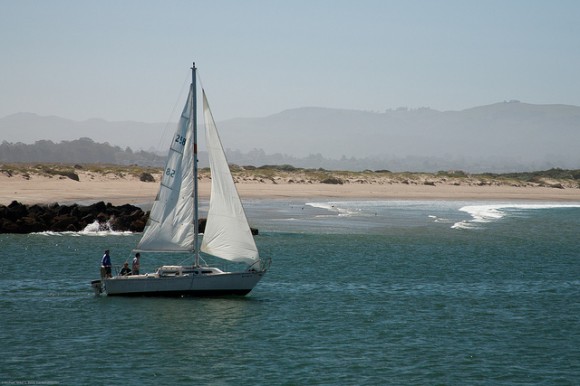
(489, 213)
(93, 229)
(100, 229)
(83, 233)
(345, 209)
(437, 219)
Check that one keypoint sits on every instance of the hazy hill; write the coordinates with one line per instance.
(511, 132)
(29, 128)
(82, 150)
(508, 136)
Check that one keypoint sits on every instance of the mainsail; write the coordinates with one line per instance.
(227, 233)
(170, 225)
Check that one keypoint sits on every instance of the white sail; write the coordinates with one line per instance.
(170, 225)
(227, 232)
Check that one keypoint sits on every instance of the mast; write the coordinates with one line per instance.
(193, 120)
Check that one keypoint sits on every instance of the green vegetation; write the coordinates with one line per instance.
(81, 150)
(290, 174)
(556, 174)
(25, 170)
(71, 171)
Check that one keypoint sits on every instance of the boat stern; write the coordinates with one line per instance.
(97, 287)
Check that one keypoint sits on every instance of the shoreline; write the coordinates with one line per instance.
(118, 190)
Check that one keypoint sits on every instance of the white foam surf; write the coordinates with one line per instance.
(93, 229)
(494, 212)
(343, 209)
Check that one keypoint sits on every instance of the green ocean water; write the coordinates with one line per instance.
(359, 293)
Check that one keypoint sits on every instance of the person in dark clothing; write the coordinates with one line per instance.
(125, 271)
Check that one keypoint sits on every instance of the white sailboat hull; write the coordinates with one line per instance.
(215, 284)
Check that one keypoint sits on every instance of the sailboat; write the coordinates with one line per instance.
(173, 224)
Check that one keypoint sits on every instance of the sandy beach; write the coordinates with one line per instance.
(91, 187)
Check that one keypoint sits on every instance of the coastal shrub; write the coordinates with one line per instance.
(71, 175)
(554, 173)
(146, 177)
(332, 180)
(557, 173)
(451, 173)
(286, 168)
(283, 168)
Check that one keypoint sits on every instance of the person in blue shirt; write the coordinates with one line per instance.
(106, 263)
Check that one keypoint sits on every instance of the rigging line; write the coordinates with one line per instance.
(199, 79)
(200, 85)
(161, 143)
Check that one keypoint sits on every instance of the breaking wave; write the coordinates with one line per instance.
(94, 229)
(481, 214)
(338, 208)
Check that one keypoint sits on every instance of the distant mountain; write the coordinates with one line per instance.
(509, 132)
(502, 137)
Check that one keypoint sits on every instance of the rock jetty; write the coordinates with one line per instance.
(20, 218)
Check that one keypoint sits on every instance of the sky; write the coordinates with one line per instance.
(124, 60)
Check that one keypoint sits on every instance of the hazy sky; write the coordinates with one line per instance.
(130, 59)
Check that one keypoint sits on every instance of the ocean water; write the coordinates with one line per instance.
(359, 293)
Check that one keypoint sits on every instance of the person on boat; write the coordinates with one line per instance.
(125, 271)
(106, 263)
(136, 264)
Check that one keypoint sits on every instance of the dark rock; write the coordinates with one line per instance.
(8, 226)
(20, 218)
(137, 225)
(63, 210)
(30, 224)
(98, 207)
(61, 223)
(89, 218)
(146, 177)
(15, 211)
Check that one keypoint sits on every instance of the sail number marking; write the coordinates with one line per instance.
(170, 172)
(180, 139)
